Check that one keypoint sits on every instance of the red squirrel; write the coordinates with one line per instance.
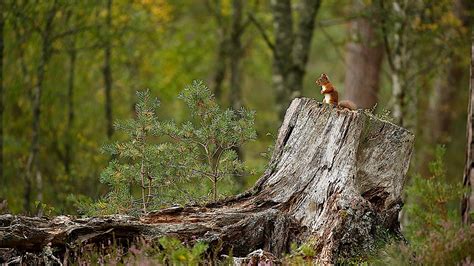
(330, 94)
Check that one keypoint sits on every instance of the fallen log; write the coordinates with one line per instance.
(334, 181)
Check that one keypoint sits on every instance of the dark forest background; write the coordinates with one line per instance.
(71, 68)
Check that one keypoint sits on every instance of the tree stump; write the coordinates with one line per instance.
(334, 181)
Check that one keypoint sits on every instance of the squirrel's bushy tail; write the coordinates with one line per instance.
(347, 104)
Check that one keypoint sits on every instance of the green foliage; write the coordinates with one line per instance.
(167, 170)
(164, 251)
(43, 208)
(153, 46)
(433, 202)
(211, 140)
(434, 232)
(137, 164)
(384, 114)
(175, 253)
(300, 255)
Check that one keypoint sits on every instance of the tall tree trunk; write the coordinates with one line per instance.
(68, 141)
(220, 66)
(446, 85)
(70, 107)
(291, 49)
(282, 63)
(236, 53)
(440, 114)
(220, 70)
(397, 71)
(132, 66)
(33, 165)
(404, 95)
(306, 11)
(107, 71)
(2, 32)
(363, 62)
(468, 180)
(37, 92)
(19, 36)
(398, 97)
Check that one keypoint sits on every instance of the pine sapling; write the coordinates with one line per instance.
(211, 138)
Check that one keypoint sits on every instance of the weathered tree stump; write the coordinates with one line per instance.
(334, 181)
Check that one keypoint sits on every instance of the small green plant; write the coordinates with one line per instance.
(434, 231)
(164, 251)
(44, 209)
(300, 255)
(137, 163)
(209, 142)
(162, 162)
(175, 253)
(384, 114)
(433, 202)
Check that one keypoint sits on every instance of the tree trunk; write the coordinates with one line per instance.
(236, 52)
(66, 157)
(404, 93)
(19, 36)
(2, 32)
(282, 63)
(107, 71)
(222, 49)
(132, 67)
(363, 62)
(398, 76)
(291, 49)
(70, 114)
(468, 180)
(335, 181)
(33, 164)
(221, 66)
(404, 96)
(440, 113)
(306, 11)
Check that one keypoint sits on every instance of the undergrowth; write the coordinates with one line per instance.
(434, 232)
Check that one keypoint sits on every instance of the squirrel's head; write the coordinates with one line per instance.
(323, 80)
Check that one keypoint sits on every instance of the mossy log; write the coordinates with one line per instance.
(334, 181)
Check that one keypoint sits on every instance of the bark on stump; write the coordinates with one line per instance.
(334, 181)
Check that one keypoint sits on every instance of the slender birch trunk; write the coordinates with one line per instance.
(468, 180)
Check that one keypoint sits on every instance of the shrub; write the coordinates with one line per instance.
(210, 142)
(164, 251)
(165, 162)
(434, 231)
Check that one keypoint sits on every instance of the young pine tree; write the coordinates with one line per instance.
(149, 170)
(434, 231)
(208, 142)
(137, 165)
